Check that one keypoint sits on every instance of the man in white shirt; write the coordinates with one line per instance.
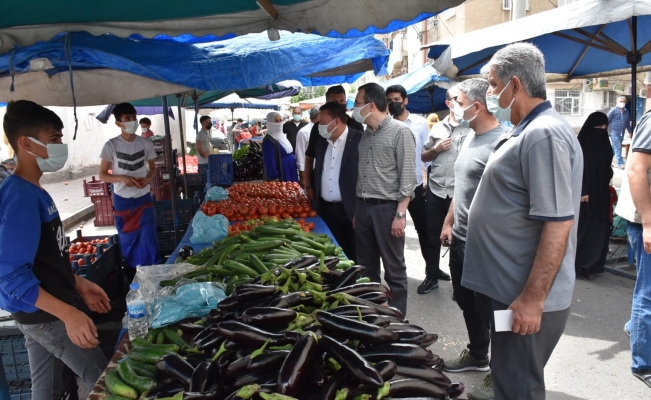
(132, 159)
(204, 144)
(335, 174)
(302, 139)
(397, 100)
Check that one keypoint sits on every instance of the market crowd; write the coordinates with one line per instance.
(522, 208)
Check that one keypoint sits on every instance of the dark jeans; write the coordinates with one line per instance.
(47, 345)
(475, 306)
(334, 215)
(437, 209)
(374, 241)
(418, 212)
(518, 361)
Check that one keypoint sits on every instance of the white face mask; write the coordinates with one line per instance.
(357, 114)
(323, 130)
(459, 113)
(621, 104)
(145, 130)
(274, 127)
(130, 127)
(57, 155)
(493, 105)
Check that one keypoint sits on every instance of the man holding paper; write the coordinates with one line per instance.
(521, 238)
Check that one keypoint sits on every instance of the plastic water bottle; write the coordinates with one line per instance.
(136, 313)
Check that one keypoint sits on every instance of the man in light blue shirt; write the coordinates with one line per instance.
(619, 120)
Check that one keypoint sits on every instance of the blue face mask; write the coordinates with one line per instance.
(459, 115)
(493, 105)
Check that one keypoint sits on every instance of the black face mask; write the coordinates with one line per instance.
(396, 108)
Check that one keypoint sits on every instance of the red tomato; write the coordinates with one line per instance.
(312, 214)
(81, 262)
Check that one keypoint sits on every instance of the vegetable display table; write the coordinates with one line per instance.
(99, 391)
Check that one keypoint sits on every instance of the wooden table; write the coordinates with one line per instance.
(99, 391)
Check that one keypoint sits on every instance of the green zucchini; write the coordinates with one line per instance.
(129, 376)
(148, 355)
(256, 264)
(116, 386)
(240, 268)
(137, 342)
(227, 253)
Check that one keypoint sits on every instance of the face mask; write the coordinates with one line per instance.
(396, 108)
(459, 113)
(130, 127)
(493, 105)
(621, 105)
(323, 130)
(57, 155)
(357, 114)
(297, 117)
(145, 130)
(274, 127)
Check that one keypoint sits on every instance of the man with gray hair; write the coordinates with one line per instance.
(521, 237)
(291, 127)
(619, 121)
(302, 139)
(471, 110)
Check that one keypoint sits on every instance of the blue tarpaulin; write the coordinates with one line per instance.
(104, 116)
(243, 104)
(240, 63)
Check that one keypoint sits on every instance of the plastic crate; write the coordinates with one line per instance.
(103, 211)
(96, 188)
(159, 145)
(193, 179)
(185, 210)
(167, 241)
(20, 390)
(14, 357)
(163, 192)
(107, 259)
(220, 168)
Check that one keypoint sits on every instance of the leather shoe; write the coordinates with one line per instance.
(442, 276)
(427, 286)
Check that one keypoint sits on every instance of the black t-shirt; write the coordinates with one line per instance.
(291, 130)
(314, 135)
(34, 252)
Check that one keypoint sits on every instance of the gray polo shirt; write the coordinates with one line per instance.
(468, 171)
(441, 179)
(533, 176)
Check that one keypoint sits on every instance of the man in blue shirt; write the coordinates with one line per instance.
(619, 120)
(37, 283)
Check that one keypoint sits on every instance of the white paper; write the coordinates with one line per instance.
(503, 320)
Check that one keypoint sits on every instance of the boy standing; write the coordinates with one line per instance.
(145, 127)
(129, 156)
(37, 283)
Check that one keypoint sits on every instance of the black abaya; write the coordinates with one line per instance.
(594, 220)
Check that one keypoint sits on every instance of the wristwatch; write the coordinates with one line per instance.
(400, 215)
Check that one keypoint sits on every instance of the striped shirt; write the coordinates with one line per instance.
(387, 162)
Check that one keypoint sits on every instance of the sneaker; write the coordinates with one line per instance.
(484, 392)
(427, 286)
(466, 362)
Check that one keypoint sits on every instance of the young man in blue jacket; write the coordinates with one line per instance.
(37, 283)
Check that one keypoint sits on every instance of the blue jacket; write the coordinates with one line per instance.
(619, 121)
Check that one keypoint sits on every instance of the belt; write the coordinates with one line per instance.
(374, 201)
(334, 203)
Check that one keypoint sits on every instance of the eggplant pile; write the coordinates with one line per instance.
(247, 163)
(304, 331)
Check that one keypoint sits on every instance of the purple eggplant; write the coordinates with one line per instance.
(351, 361)
(382, 310)
(349, 276)
(387, 369)
(414, 388)
(455, 390)
(426, 374)
(238, 367)
(400, 353)
(363, 331)
(200, 377)
(429, 340)
(269, 360)
(215, 339)
(175, 367)
(375, 297)
(228, 304)
(318, 376)
(189, 327)
(244, 334)
(329, 390)
(296, 367)
(361, 288)
(375, 319)
(260, 316)
(248, 292)
(411, 336)
(205, 332)
(292, 300)
(260, 378)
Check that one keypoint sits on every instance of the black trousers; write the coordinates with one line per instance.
(437, 209)
(518, 361)
(418, 212)
(475, 306)
(374, 241)
(334, 215)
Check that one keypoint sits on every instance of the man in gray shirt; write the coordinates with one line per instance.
(470, 106)
(204, 144)
(441, 148)
(385, 184)
(521, 239)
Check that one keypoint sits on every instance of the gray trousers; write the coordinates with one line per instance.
(518, 361)
(47, 346)
(373, 241)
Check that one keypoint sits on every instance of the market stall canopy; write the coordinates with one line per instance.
(584, 38)
(421, 86)
(234, 101)
(309, 103)
(25, 22)
(104, 116)
(240, 63)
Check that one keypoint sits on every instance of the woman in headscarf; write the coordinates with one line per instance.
(431, 120)
(594, 220)
(279, 162)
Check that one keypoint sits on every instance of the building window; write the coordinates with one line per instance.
(568, 101)
(506, 5)
(610, 98)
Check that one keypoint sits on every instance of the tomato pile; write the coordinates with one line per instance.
(83, 248)
(247, 201)
(191, 164)
(243, 226)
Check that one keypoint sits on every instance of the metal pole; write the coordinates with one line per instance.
(185, 170)
(635, 59)
(170, 163)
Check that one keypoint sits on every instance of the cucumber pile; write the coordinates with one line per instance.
(240, 259)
